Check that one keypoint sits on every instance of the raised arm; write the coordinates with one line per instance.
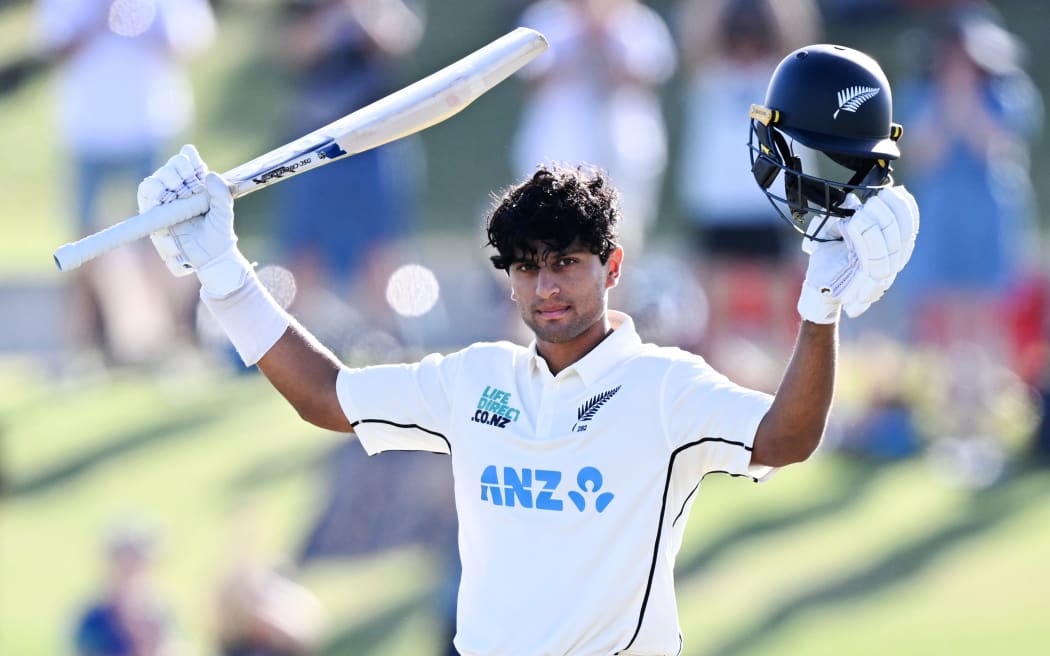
(795, 423)
(297, 365)
(304, 372)
(852, 273)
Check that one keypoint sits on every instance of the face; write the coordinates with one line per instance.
(563, 297)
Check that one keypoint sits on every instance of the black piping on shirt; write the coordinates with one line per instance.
(397, 425)
(697, 486)
(660, 524)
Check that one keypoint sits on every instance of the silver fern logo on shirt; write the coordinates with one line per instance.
(591, 407)
(851, 98)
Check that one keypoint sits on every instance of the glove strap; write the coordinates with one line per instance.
(225, 274)
(251, 318)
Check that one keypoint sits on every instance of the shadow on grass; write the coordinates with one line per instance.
(850, 489)
(278, 468)
(364, 638)
(123, 444)
(988, 509)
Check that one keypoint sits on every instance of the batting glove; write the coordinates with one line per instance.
(851, 274)
(205, 244)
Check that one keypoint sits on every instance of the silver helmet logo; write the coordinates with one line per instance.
(851, 98)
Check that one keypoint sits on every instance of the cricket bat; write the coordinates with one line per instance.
(407, 111)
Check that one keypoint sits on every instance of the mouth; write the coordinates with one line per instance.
(552, 312)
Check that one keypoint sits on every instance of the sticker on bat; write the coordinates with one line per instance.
(281, 171)
(331, 151)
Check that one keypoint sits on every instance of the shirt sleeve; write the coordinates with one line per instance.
(403, 407)
(711, 421)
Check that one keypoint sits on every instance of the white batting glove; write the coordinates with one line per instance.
(877, 241)
(206, 244)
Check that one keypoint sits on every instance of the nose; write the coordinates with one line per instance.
(546, 283)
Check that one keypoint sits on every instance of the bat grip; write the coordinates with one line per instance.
(70, 256)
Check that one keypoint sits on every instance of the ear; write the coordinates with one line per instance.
(613, 266)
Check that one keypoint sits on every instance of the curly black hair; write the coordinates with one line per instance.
(556, 207)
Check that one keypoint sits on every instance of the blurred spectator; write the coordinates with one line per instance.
(123, 100)
(594, 98)
(261, 610)
(339, 226)
(129, 618)
(729, 51)
(368, 509)
(970, 119)
(1041, 435)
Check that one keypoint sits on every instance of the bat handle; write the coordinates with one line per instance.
(70, 256)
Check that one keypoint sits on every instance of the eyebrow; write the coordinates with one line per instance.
(535, 255)
(551, 255)
(571, 251)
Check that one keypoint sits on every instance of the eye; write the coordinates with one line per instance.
(567, 261)
(525, 267)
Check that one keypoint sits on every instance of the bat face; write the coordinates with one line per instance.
(412, 109)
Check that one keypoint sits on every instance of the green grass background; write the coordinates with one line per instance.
(832, 557)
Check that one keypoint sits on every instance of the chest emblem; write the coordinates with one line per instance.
(494, 408)
(539, 488)
(590, 408)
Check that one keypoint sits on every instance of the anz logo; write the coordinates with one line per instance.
(538, 489)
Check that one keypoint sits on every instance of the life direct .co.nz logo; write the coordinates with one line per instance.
(516, 488)
(494, 408)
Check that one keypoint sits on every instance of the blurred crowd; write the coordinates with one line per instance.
(954, 364)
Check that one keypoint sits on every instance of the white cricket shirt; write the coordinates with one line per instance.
(573, 490)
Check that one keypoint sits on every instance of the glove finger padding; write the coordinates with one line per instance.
(197, 165)
(150, 191)
(221, 201)
(194, 157)
(864, 289)
(906, 213)
(891, 230)
(179, 177)
(866, 235)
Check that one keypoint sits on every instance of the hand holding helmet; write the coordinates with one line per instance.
(837, 102)
(859, 232)
(862, 257)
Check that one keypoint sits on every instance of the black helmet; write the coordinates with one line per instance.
(834, 100)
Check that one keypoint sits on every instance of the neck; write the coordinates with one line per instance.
(560, 355)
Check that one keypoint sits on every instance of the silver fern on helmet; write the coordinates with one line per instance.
(851, 98)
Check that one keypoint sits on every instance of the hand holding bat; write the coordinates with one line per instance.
(412, 109)
(205, 244)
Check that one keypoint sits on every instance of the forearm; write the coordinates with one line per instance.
(305, 373)
(292, 359)
(795, 423)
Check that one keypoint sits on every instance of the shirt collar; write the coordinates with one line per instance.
(611, 351)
